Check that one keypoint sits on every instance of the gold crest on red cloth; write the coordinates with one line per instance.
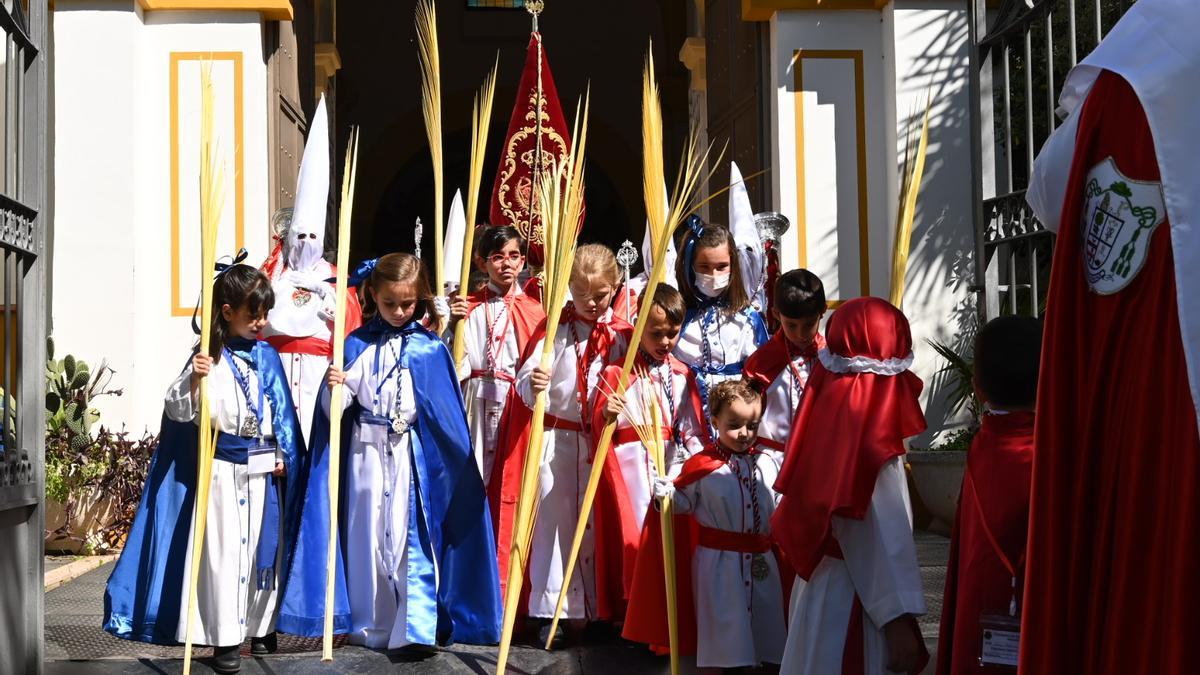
(538, 139)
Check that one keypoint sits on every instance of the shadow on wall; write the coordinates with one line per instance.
(941, 261)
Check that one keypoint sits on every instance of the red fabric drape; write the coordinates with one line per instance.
(535, 123)
(977, 580)
(848, 426)
(1111, 582)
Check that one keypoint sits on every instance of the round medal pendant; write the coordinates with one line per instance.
(759, 569)
(399, 425)
(249, 426)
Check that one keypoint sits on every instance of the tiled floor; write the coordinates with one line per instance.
(75, 643)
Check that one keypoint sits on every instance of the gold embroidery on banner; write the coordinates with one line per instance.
(516, 200)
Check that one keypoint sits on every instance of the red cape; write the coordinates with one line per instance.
(613, 480)
(646, 618)
(1111, 581)
(848, 426)
(529, 322)
(977, 581)
(526, 313)
(505, 487)
(769, 360)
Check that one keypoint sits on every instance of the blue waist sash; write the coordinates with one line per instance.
(372, 419)
(727, 369)
(236, 450)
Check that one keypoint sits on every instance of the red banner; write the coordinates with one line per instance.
(538, 140)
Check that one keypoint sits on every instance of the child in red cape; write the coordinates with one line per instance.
(987, 548)
(779, 369)
(501, 321)
(844, 521)
(730, 602)
(629, 470)
(588, 339)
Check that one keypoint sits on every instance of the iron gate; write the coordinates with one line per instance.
(24, 113)
(1020, 56)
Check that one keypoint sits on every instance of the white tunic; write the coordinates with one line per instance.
(740, 620)
(379, 487)
(880, 566)
(730, 338)
(563, 477)
(782, 400)
(491, 347)
(305, 372)
(637, 469)
(229, 605)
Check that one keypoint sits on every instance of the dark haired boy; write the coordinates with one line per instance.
(779, 369)
(500, 322)
(981, 606)
(658, 377)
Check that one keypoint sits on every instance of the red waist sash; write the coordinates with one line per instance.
(725, 540)
(553, 422)
(625, 435)
(286, 344)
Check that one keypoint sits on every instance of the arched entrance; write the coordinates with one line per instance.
(587, 43)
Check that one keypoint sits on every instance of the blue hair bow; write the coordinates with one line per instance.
(362, 272)
(220, 268)
(238, 259)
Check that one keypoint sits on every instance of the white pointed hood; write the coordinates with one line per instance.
(302, 250)
(455, 239)
(745, 234)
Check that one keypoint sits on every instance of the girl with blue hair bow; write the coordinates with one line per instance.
(721, 328)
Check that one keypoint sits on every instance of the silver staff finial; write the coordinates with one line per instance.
(627, 255)
(535, 7)
(417, 231)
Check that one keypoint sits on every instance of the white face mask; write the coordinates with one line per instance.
(712, 285)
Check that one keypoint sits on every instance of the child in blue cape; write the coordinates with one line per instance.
(250, 515)
(416, 560)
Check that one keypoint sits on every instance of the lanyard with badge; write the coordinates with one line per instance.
(492, 388)
(1001, 634)
(397, 420)
(260, 457)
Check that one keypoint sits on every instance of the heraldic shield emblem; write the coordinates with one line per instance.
(1118, 219)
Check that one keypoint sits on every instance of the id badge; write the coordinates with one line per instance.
(491, 389)
(1001, 641)
(261, 458)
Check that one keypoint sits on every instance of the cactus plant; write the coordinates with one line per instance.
(71, 387)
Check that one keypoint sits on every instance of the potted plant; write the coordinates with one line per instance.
(937, 471)
(87, 477)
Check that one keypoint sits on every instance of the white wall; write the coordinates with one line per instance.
(112, 198)
(932, 50)
(909, 47)
(830, 144)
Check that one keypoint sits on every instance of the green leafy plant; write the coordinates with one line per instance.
(70, 389)
(112, 466)
(960, 372)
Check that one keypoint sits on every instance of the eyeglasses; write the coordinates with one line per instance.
(500, 258)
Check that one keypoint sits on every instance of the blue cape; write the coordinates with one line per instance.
(143, 600)
(452, 506)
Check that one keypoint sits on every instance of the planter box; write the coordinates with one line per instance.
(938, 477)
(93, 513)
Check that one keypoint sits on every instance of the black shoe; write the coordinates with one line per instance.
(544, 635)
(267, 644)
(227, 660)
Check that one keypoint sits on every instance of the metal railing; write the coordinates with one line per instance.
(1020, 56)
